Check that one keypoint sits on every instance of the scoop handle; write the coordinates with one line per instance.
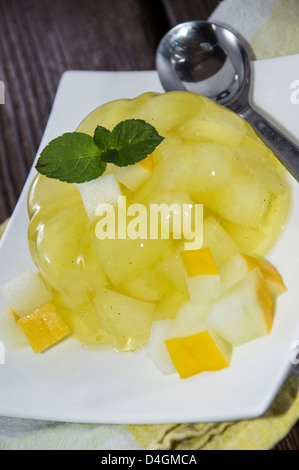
(285, 150)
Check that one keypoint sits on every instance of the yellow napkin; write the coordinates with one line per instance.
(256, 434)
(271, 27)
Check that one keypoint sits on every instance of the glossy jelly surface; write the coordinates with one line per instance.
(110, 291)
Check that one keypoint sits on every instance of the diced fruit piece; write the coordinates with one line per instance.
(157, 350)
(170, 305)
(177, 107)
(218, 240)
(244, 312)
(148, 163)
(198, 262)
(172, 197)
(127, 320)
(202, 276)
(25, 292)
(238, 266)
(233, 271)
(248, 239)
(169, 210)
(87, 327)
(92, 274)
(258, 160)
(242, 201)
(44, 327)
(173, 269)
(103, 190)
(190, 319)
(133, 176)
(272, 277)
(150, 286)
(211, 131)
(11, 334)
(192, 167)
(123, 260)
(202, 352)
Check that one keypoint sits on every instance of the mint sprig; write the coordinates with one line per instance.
(76, 157)
(73, 158)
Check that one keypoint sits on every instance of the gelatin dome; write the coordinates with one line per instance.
(110, 291)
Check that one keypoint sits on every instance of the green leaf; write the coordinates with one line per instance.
(76, 157)
(110, 156)
(130, 141)
(102, 138)
(73, 158)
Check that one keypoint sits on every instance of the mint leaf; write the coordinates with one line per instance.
(76, 157)
(102, 138)
(110, 156)
(130, 141)
(73, 158)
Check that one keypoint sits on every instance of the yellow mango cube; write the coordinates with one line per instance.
(199, 262)
(198, 353)
(44, 327)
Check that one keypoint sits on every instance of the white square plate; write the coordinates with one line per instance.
(68, 383)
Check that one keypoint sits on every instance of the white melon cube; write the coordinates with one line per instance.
(25, 293)
(202, 275)
(190, 318)
(103, 190)
(11, 334)
(132, 176)
(239, 265)
(157, 350)
(244, 312)
(204, 287)
(218, 240)
(233, 271)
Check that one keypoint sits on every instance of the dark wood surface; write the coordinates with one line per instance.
(40, 39)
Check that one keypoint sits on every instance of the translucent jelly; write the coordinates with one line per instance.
(110, 291)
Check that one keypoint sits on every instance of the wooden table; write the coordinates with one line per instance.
(40, 39)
